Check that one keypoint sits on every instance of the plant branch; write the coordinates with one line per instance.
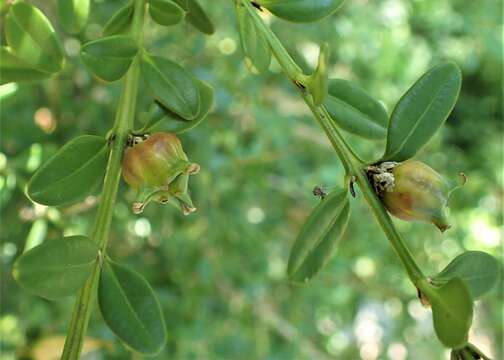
(351, 162)
(123, 124)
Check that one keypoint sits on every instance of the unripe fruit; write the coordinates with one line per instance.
(158, 169)
(418, 193)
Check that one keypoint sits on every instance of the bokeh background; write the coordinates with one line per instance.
(220, 273)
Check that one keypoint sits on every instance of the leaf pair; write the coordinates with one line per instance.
(301, 10)
(317, 240)
(33, 51)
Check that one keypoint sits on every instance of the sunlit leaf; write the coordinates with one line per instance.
(422, 110)
(131, 309)
(317, 82)
(317, 240)
(72, 174)
(56, 268)
(110, 57)
(73, 14)
(301, 10)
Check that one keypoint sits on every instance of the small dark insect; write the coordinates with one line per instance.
(256, 5)
(319, 192)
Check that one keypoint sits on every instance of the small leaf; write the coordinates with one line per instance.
(355, 111)
(72, 174)
(31, 38)
(254, 43)
(121, 21)
(110, 57)
(301, 10)
(196, 16)
(422, 110)
(317, 82)
(171, 85)
(73, 14)
(13, 69)
(56, 268)
(452, 311)
(165, 12)
(479, 271)
(162, 119)
(130, 308)
(317, 240)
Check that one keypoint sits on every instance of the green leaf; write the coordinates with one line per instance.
(479, 271)
(13, 69)
(301, 10)
(110, 57)
(254, 43)
(56, 268)
(171, 85)
(196, 16)
(452, 311)
(72, 174)
(317, 82)
(355, 111)
(121, 21)
(165, 12)
(31, 38)
(422, 110)
(162, 119)
(317, 240)
(130, 308)
(73, 14)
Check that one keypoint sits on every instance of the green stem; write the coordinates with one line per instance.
(123, 124)
(351, 162)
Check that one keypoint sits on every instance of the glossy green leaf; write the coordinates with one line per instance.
(56, 268)
(254, 43)
(165, 12)
(31, 38)
(452, 311)
(422, 110)
(196, 16)
(110, 57)
(130, 308)
(121, 21)
(162, 119)
(73, 14)
(72, 174)
(301, 10)
(171, 85)
(479, 271)
(355, 111)
(317, 82)
(13, 69)
(317, 240)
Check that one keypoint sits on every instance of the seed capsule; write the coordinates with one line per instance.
(158, 169)
(418, 193)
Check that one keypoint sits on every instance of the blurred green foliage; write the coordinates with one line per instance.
(220, 273)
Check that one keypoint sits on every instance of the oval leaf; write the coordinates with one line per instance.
(301, 10)
(317, 240)
(452, 311)
(165, 12)
(121, 21)
(355, 111)
(162, 119)
(422, 110)
(13, 69)
(317, 82)
(171, 85)
(31, 38)
(110, 57)
(72, 174)
(73, 14)
(131, 310)
(254, 43)
(479, 271)
(196, 16)
(56, 268)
